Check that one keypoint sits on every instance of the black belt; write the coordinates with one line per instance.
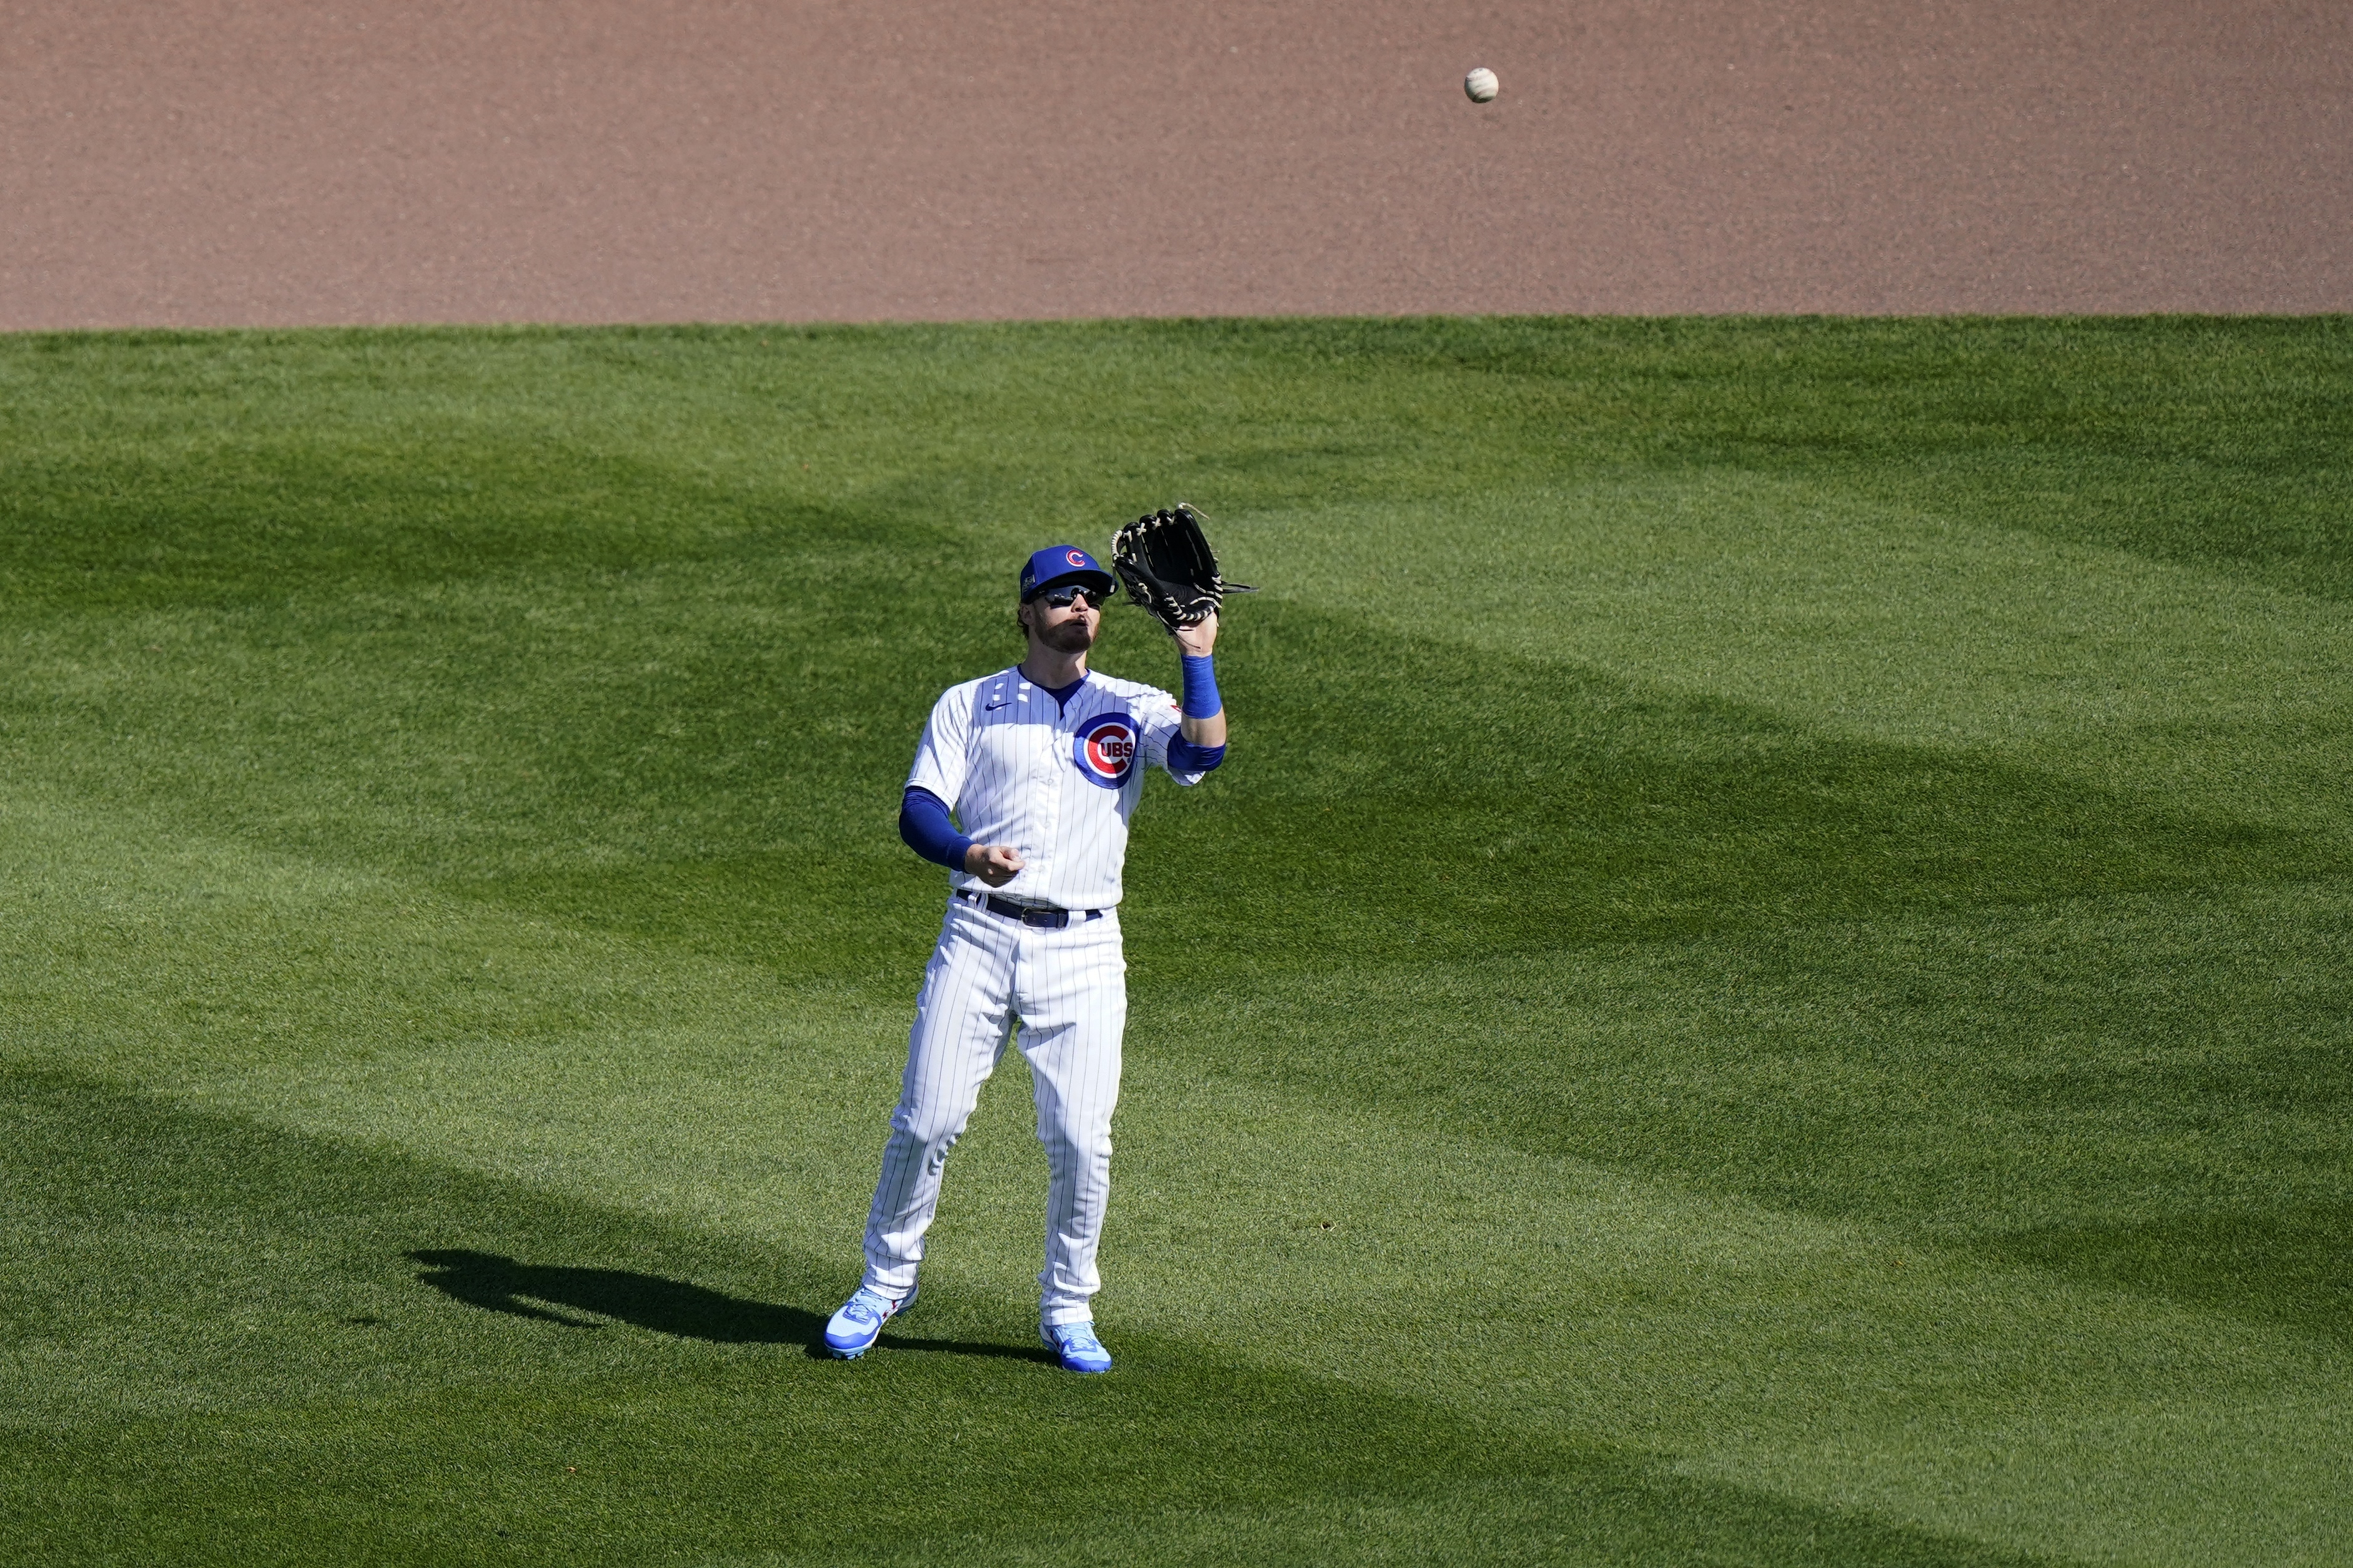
(1028, 914)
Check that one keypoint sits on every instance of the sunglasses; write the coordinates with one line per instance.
(1063, 598)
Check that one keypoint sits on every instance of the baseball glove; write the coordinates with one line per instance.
(1167, 567)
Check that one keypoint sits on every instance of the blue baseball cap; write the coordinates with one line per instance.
(1058, 563)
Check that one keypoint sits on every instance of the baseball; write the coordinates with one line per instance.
(1482, 85)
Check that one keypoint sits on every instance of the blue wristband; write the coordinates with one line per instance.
(1201, 697)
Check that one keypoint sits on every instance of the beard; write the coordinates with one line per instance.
(1073, 635)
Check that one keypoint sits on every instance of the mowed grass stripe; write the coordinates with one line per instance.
(1941, 1076)
(1291, 1234)
(719, 783)
(1925, 623)
(374, 1398)
(343, 662)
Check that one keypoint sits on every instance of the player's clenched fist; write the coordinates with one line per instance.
(995, 864)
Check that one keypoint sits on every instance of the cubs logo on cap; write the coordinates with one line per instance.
(1059, 564)
(1104, 748)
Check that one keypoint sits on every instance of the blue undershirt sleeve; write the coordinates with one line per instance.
(924, 824)
(1184, 757)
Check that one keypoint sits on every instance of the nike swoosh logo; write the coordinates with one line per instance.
(995, 706)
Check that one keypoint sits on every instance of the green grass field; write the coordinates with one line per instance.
(1767, 982)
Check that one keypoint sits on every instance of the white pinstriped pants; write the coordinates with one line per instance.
(1068, 989)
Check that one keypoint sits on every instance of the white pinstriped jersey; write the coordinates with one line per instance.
(1059, 786)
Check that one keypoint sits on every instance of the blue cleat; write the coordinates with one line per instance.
(853, 1330)
(1077, 1345)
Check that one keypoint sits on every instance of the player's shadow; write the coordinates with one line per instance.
(585, 1298)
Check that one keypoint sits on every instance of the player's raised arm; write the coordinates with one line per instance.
(1164, 563)
(1203, 726)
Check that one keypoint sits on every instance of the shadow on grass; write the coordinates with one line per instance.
(1184, 1458)
(555, 1294)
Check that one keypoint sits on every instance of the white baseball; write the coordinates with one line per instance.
(1482, 85)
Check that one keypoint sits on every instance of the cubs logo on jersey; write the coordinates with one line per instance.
(1105, 748)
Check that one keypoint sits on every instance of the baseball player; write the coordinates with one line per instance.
(1042, 764)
